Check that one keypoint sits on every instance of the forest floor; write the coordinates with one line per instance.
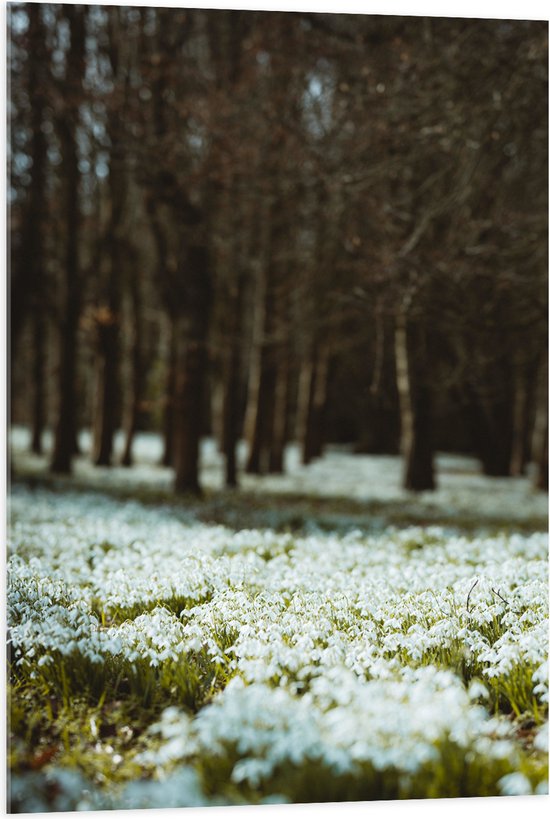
(339, 491)
(316, 636)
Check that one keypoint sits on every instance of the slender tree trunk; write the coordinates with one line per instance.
(415, 408)
(65, 430)
(167, 275)
(192, 370)
(170, 395)
(107, 329)
(310, 420)
(28, 287)
(137, 375)
(39, 394)
(108, 315)
(540, 430)
(270, 380)
(232, 391)
(26, 278)
(312, 402)
(188, 408)
(379, 420)
(254, 424)
(278, 437)
(305, 386)
(541, 479)
(262, 396)
(66, 426)
(518, 461)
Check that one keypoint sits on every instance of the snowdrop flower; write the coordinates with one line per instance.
(515, 784)
(340, 660)
(541, 739)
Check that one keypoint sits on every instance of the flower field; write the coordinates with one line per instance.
(161, 661)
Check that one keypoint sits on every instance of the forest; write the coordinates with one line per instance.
(278, 227)
(278, 317)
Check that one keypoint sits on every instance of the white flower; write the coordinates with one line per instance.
(515, 784)
(541, 739)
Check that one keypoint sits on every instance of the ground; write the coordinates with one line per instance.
(317, 636)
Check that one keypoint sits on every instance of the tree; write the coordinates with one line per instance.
(67, 120)
(312, 225)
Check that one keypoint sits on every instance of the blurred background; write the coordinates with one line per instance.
(278, 227)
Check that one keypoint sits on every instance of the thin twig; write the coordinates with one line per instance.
(501, 597)
(469, 593)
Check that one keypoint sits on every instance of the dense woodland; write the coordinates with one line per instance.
(279, 227)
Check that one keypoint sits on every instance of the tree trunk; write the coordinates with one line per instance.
(137, 375)
(107, 329)
(65, 430)
(108, 316)
(415, 407)
(28, 286)
(279, 422)
(540, 430)
(263, 387)
(170, 395)
(317, 398)
(518, 460)
(167, 275)
(232, 390)
(254, 423)
(379, 430)
(192, 370)
(269, 379)
(26, 277)
(39, 396)
(66, 426)
(489, 423)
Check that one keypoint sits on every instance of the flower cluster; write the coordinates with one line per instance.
(341, 723)
(353, 653)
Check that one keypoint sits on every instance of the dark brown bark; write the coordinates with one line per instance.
(261, 393)
(107, 346)
(415, 406)
(28, 286)
(379, 418)
(489, 421)
(192, 368)
(308, 445)
(518, 459)
(137, 373)
(66, 425)
(279, 420)
(107, 324)
(254, 425)
(316, 406)
(27, 276)
(419, 470)
(169, 294)
(233, 388)
(169, 398)
(540, 429)
(39, 392)
(541, 475)
(379, 428)
(269, 377)
(306, 384)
